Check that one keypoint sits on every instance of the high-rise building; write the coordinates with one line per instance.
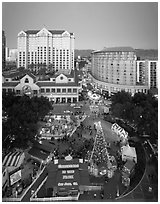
(7, 54)
(114, 69)
(3, 49)
(147, 73)
(152, 74)
(11, 55)
(52, 48)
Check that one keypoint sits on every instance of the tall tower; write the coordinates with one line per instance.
(3, 50)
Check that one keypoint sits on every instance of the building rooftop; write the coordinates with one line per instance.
(129, 164)
(53, 84)
(19, 74)
(79, 172)
(116, 49)
(10, 84)
(54, 32)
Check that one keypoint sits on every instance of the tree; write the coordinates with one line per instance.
(23, 114)
(99, 153)
(139, 98)
(128, 111)
(140, 110)
(121, 97)
(117, 110)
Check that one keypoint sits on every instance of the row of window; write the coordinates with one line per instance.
(42, 90)
(58, 90)
(120, 89)
(41, 54)
(9, 90)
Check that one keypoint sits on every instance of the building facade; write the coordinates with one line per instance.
(11, 55)
(147, 73)
(3, 50)
(115, 69)
(52, 48)
(59, 88)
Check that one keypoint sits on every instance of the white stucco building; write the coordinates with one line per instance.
(53, 48)
(63, 87)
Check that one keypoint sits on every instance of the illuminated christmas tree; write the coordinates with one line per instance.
(99, 153)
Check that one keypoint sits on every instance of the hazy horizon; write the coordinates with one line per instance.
(95, 24)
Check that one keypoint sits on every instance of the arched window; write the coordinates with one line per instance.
(26, 80)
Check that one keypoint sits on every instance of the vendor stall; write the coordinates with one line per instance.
(129, 153)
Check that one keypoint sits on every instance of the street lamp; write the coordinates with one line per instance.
(117, 191)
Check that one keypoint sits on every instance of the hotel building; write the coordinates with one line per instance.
(115, 69)
(52, 48)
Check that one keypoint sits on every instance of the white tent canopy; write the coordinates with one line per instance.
(94, 96)
(129, 153)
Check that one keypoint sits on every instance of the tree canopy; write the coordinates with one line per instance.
(140, 110)
(23, 114)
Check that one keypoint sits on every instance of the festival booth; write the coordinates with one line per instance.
(13, 159)
(129, 153)
(127, 172)
(41, 152)
(123, 135)
(94, 97)
(129, 167)
(125, 179)
(11, 162)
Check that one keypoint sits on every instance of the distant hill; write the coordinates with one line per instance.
(143, 54)
(83, 53)
(147, 54)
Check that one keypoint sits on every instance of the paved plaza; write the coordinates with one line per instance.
(114, 190)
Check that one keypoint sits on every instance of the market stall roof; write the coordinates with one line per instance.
(129, 151)
(124, 174)
(38, 153)
(129, 165)
(44, 146)
(14, 159)
(94, 96)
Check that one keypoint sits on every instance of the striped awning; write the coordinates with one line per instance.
(13, 159)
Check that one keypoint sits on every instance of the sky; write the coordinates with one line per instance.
(95, 24)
